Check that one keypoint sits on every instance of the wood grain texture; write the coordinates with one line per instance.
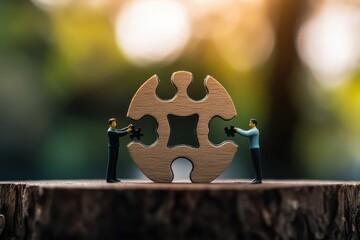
(209, 160)
(231, 209)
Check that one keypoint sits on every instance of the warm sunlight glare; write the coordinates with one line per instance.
(244, 36)
(329, 44)
(152, 31)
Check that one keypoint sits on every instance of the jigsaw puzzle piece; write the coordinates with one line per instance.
(230, 131)
(136, 133)
(209, 160)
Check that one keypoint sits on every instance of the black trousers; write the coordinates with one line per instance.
(113, 153)
(255, 156)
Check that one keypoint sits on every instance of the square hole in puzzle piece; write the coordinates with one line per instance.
(183, 130)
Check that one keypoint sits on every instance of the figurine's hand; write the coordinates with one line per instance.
(235, 128)
(130, 125)
(129, 130)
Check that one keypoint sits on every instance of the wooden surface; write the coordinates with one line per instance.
(145, 210)
(155, 160)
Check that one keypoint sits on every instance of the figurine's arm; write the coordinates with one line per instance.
(245, 133)
(126, 128)
(120, 132)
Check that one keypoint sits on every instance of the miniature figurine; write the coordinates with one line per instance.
(114, 135)
(253, 135)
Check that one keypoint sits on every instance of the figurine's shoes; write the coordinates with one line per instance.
(256, 181)
(112, 180)
(117, 180)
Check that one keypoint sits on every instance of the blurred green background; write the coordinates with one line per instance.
(66, 67)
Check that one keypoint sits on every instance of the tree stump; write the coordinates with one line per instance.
(145, 210)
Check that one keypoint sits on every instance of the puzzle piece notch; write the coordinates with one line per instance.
(209, 161)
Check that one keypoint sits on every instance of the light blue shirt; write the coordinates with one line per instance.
(253, 135)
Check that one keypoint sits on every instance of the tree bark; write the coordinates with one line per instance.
(145, 210)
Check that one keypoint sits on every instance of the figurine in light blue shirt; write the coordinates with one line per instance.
(253, 135)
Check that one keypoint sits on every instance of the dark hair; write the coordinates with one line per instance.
(254, 121)
(111, 120)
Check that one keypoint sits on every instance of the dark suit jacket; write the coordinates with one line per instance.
(114, 135)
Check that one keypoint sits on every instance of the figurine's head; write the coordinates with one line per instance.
(112, 122)
(252, 123)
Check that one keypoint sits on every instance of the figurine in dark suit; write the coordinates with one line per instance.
(114, 135)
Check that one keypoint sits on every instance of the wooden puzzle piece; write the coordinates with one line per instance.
(208, 160)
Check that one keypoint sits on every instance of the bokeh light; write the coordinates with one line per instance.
(329, 43)
(248, 48)
(152, 31)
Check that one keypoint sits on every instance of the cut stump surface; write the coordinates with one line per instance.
(231, 209)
